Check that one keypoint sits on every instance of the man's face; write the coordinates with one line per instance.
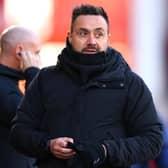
(90, 34)
(29, 48)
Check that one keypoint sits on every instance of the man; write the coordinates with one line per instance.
(19, 60)
(90, 110)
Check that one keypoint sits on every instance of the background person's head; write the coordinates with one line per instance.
(15, 40)
(89, 32)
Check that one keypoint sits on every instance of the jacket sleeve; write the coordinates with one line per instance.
(26, 136)
(144, 131)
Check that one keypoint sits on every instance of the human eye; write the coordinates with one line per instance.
(99, 34)
(83, 33)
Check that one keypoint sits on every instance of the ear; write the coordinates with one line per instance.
(18, 50)
(69, 37)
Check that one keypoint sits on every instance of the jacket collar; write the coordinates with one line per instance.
(12, 73)
(83, 67)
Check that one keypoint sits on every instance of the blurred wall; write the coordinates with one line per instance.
(147, 32)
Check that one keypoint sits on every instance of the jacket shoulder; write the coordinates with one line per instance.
(133, 77)
(47, 71)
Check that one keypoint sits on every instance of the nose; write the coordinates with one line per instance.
(91, 39)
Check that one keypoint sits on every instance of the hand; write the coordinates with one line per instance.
(92, 155)
(28, 59)
(58, 148)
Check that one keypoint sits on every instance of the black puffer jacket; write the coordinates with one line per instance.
(10, 96)
(92, 99)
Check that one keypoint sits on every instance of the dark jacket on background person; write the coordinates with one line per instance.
(10, 96)
(94, 99)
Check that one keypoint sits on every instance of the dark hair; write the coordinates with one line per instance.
(88, 10)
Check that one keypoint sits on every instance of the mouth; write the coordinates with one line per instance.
(90, 51)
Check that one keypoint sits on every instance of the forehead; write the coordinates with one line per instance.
(90, 22)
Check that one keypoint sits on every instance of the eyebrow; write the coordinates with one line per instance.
(83, 29)
(97, 29)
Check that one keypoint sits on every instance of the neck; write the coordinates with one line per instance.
(9, 61)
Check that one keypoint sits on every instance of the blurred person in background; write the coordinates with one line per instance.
(90, 110)
(19, 60)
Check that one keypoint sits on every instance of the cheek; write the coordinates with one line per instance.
(103, 44)
(78, 44)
